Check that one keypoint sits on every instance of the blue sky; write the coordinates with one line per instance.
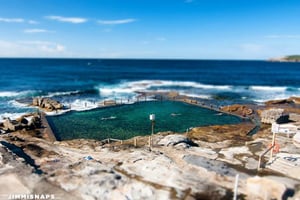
(190, 29)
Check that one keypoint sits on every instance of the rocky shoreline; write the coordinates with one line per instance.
(200, 164)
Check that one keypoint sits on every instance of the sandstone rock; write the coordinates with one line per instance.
(273, 115)
(296, 139)
(47, 103)
(36, 102)
(264, 188)
(296, 100)
(22, 120)
(291, 100)
(212, 165)
(175, 140)
(275, 102)
(10, 125)
(238, 109)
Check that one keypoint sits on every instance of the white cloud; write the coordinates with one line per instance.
(283, 36)
(17, 20)
(31, 49)
(73, 20)
(116, 22)
(33, 22)
(12, 20)
(37, 31)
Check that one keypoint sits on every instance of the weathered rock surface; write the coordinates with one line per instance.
(88, 169)
(174, 140)
(273, 115)
(269, 188)
(220, 133)
(47, 104)
(291, 100)
(27, 122)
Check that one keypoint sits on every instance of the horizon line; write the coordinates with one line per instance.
(120, 58)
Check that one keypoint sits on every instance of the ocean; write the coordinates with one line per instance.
(80, 83)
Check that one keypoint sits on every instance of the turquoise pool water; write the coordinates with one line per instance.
(127, 121)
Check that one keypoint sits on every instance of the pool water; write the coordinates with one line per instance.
(127, 121)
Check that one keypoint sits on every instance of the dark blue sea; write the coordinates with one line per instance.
(82, 82)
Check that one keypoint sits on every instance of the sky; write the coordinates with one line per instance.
(179, 29)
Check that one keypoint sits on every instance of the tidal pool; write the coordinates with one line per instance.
(127, 121)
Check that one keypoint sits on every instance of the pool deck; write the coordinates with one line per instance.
(46, 129)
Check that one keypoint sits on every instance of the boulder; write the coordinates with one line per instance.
(22, 120)
(273, 115)
(264, 188)
(47, 104)
(36, 102)
(11, 125)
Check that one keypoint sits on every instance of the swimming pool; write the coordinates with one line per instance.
(127, 121)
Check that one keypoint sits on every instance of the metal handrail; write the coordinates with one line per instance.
(263, 154)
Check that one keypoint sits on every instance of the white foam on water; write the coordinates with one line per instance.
(201, 96)
(82, 105)
(17, 94)
(268, 88)
(58, 112)
(11, 116)
(127, 89)
(18, 104)
(8, 94)
(53, 94)
(146, 84)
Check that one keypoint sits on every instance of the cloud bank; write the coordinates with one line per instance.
(116, 22)
(73, 20)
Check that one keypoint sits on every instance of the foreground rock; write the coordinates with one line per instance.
(88, 169)
(47, 104)
(269, 187)
(26, 122)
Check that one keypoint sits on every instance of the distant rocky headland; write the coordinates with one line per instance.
(291, 58)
